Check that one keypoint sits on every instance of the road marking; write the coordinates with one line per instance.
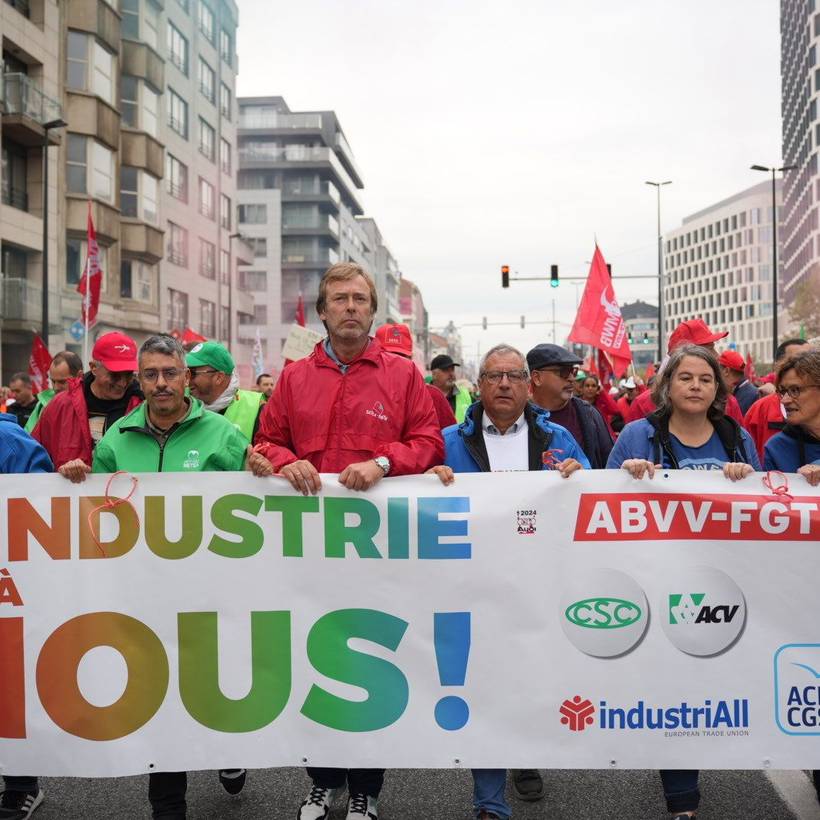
(797, 791)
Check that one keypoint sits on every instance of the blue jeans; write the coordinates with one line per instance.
(488, 791)
(680, 787)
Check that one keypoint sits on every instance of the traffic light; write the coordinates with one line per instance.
(629, 337)
(505, 276)
(483, 322)
(522, 322)
(609, 269)
(645, 338)
(553, 276)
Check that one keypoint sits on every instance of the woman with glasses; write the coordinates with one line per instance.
(688, 431)
(796, 449)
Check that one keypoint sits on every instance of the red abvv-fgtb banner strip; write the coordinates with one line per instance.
(672, 517)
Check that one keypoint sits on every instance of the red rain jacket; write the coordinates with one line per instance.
(379, 407)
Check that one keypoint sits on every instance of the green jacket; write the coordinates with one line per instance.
(202, 441)
(43, 398)
(243, 410)
(463, 401)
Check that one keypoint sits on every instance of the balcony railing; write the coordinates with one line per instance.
(20, 300)
(275, 119)
(22, 95)
(16, 197)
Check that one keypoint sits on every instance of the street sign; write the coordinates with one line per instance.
(77, 330)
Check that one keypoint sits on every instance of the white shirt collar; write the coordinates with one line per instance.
(488, 427)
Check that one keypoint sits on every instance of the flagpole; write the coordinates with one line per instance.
(87, 304)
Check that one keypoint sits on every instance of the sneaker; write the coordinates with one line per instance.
(361, 806)
(527, 784)
(232, 780)
(316, 805)
(19, 805)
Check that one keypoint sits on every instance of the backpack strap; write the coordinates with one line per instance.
(661, 441)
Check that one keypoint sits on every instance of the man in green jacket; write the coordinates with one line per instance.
(443, 372)
(215, 383)
(171, 432)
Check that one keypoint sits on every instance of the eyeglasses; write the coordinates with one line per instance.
(794, 390)
(200, 372)
(169, 374)
(563, 372)
(497, 376)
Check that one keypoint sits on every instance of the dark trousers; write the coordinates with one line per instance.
(680, 787)
(359, 781)
(166, 791)
(20, 783)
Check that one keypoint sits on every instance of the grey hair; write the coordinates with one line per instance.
(502, 348)
(660, 390)
(165, 344)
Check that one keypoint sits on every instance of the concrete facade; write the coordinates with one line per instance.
(641, 321)
(717, 265)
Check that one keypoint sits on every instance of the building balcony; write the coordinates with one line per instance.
(276, 121)
(318, 260)
(345, 154)
(95, 17)
(141, 150)
(324, 225)
(93, 117)
(326, 193)
(16, 197)
(21, 304)
(140, 60)
(26, 110)
(142, 241)
(20, 5)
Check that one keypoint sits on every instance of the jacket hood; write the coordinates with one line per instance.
(476, 410)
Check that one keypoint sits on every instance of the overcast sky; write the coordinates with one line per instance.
(518, 132)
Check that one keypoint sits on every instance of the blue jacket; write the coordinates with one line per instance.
(638, 440)
(465, 452)
(791, 449)
(19, 452)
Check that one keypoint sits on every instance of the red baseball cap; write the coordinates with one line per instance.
(732, 359)
(396, 339)
(115, 352)
(693, 332)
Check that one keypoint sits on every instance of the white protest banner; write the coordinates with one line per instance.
(300, 343)
(512, 619)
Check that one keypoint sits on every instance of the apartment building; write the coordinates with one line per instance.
(384, 268)
(641, 322)
(29, 99)
(718, 265)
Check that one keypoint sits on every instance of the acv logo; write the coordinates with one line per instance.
(577, 713)
(707, 621)
(603, 613)
(690, 609)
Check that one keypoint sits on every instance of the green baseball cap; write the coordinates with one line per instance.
(580, 376)
(211, 354)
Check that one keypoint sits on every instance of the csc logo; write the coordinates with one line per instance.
(603, 613)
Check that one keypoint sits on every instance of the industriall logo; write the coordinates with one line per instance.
(377, 411)
(710, 718)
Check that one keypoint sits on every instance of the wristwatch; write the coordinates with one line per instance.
(383, 462)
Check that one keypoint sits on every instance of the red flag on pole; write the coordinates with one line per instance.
(599, 322)
(189, 336)
(38, 364)
(650, 371)
(604, 368)
(300, 311)
(91, 280)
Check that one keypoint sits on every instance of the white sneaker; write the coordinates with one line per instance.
(316, 805)
(360, 806)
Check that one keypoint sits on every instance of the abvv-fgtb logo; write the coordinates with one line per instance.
(577, 713)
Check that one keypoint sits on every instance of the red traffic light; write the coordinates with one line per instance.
(505, 276)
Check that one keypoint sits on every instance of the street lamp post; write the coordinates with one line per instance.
(774, 171)
(658, 186)
(58, 123)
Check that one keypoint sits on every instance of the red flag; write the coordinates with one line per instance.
(604, 368)
(650, 371)
(93, 275)
(300, 311)
(750, 369)
(189, 336)
(38, 364)
(599, 322)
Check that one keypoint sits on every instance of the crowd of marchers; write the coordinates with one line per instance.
(358, 407)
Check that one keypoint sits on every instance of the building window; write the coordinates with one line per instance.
(224, 267)
(225, 211)
(14, 176)
(207, 318)
(100, 182)
(130, 25)
(76, 255)
(138, 194)
(137, 280)
(206, 198)
(207, 140)
(89, 67)
(253, 280)
(225, 156)
(178, 301)
(226, 46)
(206, 22)
(207, 80)
(177, 48)
(177, 245)
(259, 245)
(225, 101)
(224, 319)
(176, 177)
(139, 105)
(253, 214)
(103, 172)
(207, 259)
(177, 114)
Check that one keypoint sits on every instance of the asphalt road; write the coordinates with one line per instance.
(274, 794)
